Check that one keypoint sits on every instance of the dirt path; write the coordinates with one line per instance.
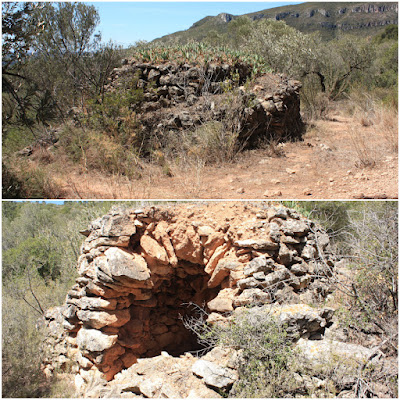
(339, 159)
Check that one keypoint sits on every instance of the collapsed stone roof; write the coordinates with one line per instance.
(185, 96)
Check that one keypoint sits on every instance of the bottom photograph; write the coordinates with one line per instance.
(203, 299)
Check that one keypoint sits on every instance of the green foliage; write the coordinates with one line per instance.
(265, 369)
(266, 362)
(113, 111)
(66, 61)
(68, 28)
(21, 344)
(391, 32)
(387, 65)
(34, 250)
(20, 28)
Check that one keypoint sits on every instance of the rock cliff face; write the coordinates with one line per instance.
(327, 18)
(185, 96)
(355, 16)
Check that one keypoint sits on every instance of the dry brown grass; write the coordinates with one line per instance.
(380, 139)
(352, 150)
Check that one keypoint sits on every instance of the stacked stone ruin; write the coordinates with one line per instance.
(185, 96)
(141, 271)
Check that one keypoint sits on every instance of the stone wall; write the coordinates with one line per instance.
(184, 96)
(141, 270)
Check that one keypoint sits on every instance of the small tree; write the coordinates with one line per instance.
(373, 241)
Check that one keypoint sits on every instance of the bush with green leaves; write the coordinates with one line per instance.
(113, 111)
(265, 364)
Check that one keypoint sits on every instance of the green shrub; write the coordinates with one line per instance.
(265, 364)
(113, 111)
(15, 137)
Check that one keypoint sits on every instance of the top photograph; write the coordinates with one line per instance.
(200, 100)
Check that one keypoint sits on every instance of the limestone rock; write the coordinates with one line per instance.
(187, 244)
(217, 255)
(117, 225)
(94, 340)
(213, 241)
(127, 267)
(223, 302)
(222, 270)
(160, 233)
(154, 250)
(97, 303)
(303, 320)
(259, 264)
(295, 228)
(99, 319)
(318, 352)
(214, 375)
(257, 244)
(252, 297)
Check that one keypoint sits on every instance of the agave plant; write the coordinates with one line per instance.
(199, 53)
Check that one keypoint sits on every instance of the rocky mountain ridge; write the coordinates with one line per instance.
(330, 19)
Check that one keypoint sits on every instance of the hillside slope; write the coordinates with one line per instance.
(330, 19)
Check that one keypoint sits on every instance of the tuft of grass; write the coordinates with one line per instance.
(97, 151)
(377, 134)
(366, 156)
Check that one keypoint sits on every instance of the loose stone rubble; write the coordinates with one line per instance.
(141, 271)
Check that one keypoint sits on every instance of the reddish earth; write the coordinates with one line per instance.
(339, 158)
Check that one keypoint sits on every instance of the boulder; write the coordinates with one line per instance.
(223, 302)
(222, 270)
(259, 264)
(187, 244)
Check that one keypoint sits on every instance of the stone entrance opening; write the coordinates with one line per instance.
(156, 324)
(140, 276)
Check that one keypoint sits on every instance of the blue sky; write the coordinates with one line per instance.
(128, 22)
(58, 202)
